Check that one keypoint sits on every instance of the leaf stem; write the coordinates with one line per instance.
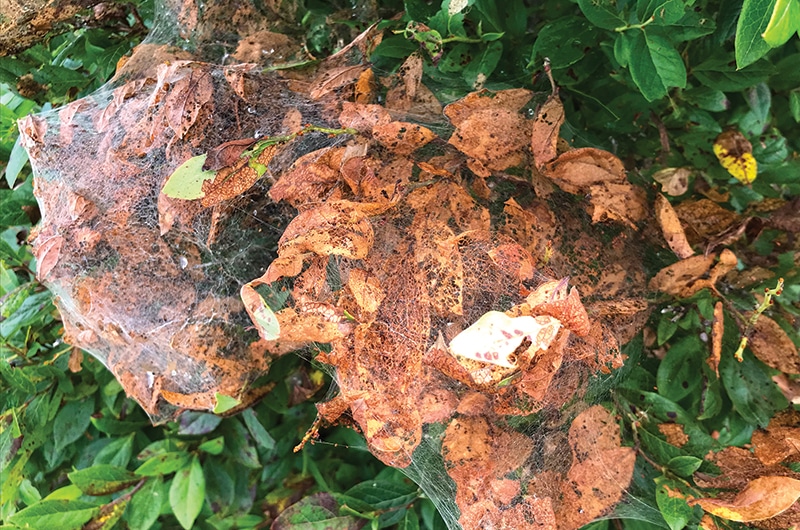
(647, 22)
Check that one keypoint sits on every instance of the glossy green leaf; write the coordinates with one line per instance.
(753, 392)
(482, 66)
(196, 423)
(753, 20)
(410, 521)
(117, 453)
(71, 422)
(784, 22)
(61, 514)
(224, 403)
(794, 104)
(602, 13)
(382, 494)
(186, 182)
(187, 493)
(213, 446)
(564, 52)
(102, 479)
(671, 499)
(684, 466)
(163, 464)
(315, 512)
(707, 98)
(145, 505)
(257, 431)
(677, 375)
(17, 160)
(663, 12)
(719, 73)
(655, 64)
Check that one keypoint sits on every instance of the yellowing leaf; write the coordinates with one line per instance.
(735, 153)
(262, 316)
(763, 498)
(783, 23)
(186, 182)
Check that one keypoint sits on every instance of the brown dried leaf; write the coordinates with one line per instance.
(601, 469)
(704, 219)
(401, 137)
(47, 254)
(366, 86)
(674, 180)
(674, 433)
(226, 154)
(232, 181)
(334, 79)
(684, 278)
(310, 179)
(618, 202)
(717, 331)
(189, 97)
(402, 96)
(513, 260)
(32, 130)
(321, 323)
(776, 444)
(513, 100)
(546, 127)
(671, 228)
(763, 498)
(335, 228)
(771, 344)
(363, 117)
(575, 171)
(366, 289)
(496, 138)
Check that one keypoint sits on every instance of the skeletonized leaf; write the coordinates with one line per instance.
(763, 498)
(674, 180)
(576, 170)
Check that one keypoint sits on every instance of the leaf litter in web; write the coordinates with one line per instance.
(438, 307)
(389, 258)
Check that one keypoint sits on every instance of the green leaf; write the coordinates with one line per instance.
(666, 329)
(102, 479)
(186, 182)
(410, 521)
(16, 161)
(720, 74)
(145, 505)
(257, 431)
(783, 23)
(456, 59)
(691, 26)
(564, 52)
(794, 104)
(394, 47)
(707, 98)
(655, 64)
(752, 391)
(117, 453)
(678, 373)
(61, 514)
(224, 403)
(482, 66)
(213, 446)
(196, 423)
(187, 493)
(163, 464)
(71, 422)
(238, 445)
(382, 494)
(684, 466)
(115, 427)
(315, 512)
(758, 118)
(220, 488)
(664, 12)
(753, 20)
(671, 499)
(602, 13)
